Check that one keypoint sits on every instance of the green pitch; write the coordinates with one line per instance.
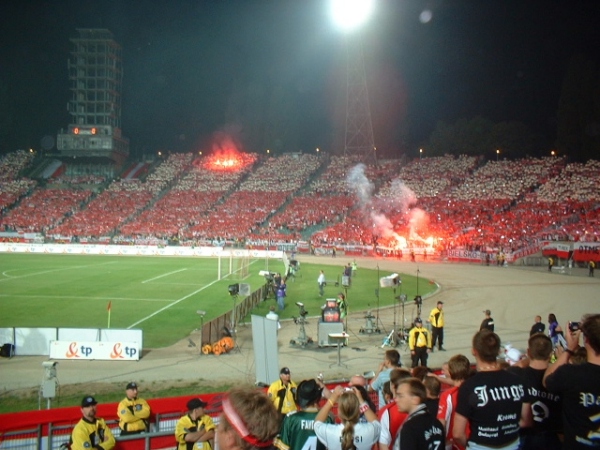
(160, 295)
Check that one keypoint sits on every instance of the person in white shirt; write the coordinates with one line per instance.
(349, 434)
(321, 281)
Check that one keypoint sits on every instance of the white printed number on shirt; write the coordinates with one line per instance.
(435, 445)
(310, 444)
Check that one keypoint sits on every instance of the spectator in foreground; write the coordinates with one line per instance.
(390, 361)
(90, 431)
(297, 428)
(390, 416)
(349, 434)
(459, 369)
(420, 430)
(493, 402)
(249, 421)
(546, 407)
(578, 386)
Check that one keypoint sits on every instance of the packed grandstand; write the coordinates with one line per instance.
(433, 204)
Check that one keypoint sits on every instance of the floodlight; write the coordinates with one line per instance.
(351, 14)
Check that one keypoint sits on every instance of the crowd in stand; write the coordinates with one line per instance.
(461, 202)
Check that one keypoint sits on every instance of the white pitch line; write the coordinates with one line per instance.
(55, 270)
(82, 297)
(172, 304)
(163, 275)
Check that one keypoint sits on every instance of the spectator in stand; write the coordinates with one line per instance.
(488, 322)
(249, 421)
(350, 434)
(459, 368)
(538, 326)
(545, 406)
(433, 388)
(90, 431)
(390, 361)
(420, 430)
(196, 429)
(297, 428)
(493, 402)
(578, 386)
(133, 412)
(390, 416)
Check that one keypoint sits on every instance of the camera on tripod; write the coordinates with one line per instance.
(303, 312)
(418, 300)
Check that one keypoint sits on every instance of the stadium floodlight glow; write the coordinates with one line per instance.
(349, 15)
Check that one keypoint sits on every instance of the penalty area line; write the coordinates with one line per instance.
(172, 304)
(163, 275)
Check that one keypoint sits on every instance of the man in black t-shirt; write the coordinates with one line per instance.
(538, 326)
(420, 430)
(546, 407)
(493, 402)
(488, 322)
(578, 386)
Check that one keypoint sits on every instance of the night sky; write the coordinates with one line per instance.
(191, 66)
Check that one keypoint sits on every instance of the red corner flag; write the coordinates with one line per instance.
(108, 309)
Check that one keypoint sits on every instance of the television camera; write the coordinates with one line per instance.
(301, 321)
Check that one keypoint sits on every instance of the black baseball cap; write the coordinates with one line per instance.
(418, 320)
(131, 385)
(88, 401)
(285, 371)
(196, 403)
(308, 392)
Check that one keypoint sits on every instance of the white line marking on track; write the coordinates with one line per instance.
(163, 275)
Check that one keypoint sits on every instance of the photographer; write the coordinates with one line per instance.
(578, 384)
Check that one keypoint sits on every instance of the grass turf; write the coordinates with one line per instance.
(161, 295)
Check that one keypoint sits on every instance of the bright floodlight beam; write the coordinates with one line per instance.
(351, 14)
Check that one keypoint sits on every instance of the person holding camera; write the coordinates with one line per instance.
(350, 434)
(196, 429)
(578, 385)
(91, 431)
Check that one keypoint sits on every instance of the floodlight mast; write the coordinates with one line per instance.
(350, 15)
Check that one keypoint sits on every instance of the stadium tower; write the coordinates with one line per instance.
(93, 139)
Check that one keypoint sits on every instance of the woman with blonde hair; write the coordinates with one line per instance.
(350, 434)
